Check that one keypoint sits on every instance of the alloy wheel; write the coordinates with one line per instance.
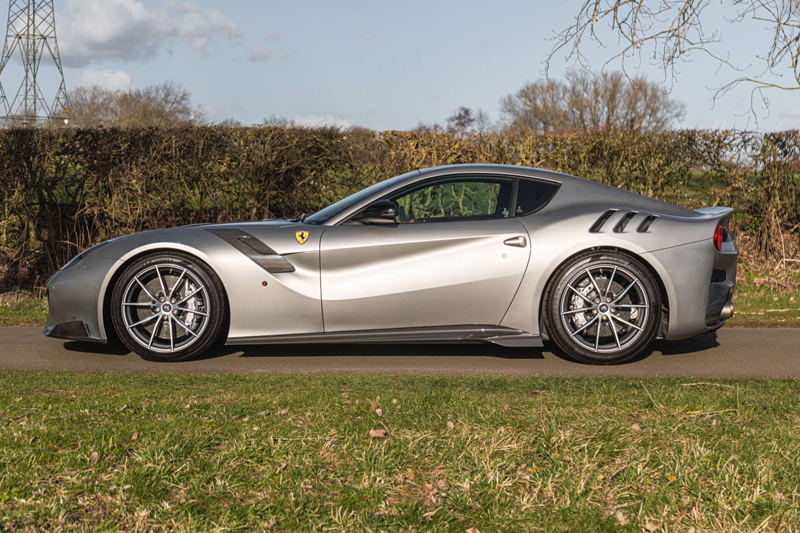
(165, 308)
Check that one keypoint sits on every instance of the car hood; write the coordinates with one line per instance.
(279, 235)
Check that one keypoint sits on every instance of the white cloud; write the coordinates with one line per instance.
(112, 79)
(95, 30)
(720, 124)
(270, 36)
(260, 55)
(789, 119)
(321, 120)
(213, 113)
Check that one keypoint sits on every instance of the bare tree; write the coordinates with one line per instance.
(231, 122)
(91, 106)
(461, 121)
(429, 128)
(609, 101)
(483, 123)
(275, 120)
(165, 104)
(671, 30)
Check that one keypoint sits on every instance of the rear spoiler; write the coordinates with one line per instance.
(718, 213)
(715, 215)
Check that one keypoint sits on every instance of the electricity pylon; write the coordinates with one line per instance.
(32, 30)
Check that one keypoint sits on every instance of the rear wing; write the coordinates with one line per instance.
(715, 216)
(718, 213)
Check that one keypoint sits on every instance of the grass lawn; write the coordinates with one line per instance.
(21, 309)
(159, 452)
(759, 305)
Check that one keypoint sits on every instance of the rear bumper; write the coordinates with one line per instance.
(699, 281)
(720, 302)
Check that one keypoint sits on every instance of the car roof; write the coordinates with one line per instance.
(506, 170)
(574, 192)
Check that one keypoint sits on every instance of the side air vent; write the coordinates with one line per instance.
(598, 225)
(620, 227)
(645, 225)
(260, 253)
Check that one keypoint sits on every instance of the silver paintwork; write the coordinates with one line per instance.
(355, 278)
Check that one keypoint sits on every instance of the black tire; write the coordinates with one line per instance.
(188, 312)
(628, 312)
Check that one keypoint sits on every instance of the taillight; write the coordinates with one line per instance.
(718, 235)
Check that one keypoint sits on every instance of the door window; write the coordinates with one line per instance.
(456, 199)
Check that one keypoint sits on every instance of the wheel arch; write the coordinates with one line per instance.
(104, 313)
(662, 288)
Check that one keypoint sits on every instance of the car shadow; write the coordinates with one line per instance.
(96, 348)
(691, 345)
(700, 343)
(373, 349)
(659, 347)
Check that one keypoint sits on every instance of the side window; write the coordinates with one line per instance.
(456, 199)
(533, 195)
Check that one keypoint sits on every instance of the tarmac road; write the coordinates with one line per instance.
(727, 353)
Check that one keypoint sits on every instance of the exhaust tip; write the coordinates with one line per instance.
(727, 311)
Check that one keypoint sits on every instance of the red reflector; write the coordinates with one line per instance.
(718, 238)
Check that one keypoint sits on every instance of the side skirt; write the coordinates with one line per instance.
(445, 334)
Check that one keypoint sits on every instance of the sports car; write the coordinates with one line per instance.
(481, 253)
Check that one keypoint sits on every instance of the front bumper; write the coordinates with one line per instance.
(75, 331)
(75, 297)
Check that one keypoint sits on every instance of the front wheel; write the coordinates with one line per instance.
(602, 308)
(168, 307)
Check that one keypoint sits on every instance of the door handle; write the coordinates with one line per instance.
(520, 241)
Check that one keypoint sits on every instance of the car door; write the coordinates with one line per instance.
(454, 256)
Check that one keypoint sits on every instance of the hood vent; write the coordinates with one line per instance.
(620, 227)
(645, 225)
(598, 225)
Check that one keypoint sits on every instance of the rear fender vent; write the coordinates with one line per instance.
(598, 225)
(620, 227)
(645, 225)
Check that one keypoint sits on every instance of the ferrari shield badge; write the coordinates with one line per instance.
(302, 236)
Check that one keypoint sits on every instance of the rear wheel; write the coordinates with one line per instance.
(168, 307)
(602, 308)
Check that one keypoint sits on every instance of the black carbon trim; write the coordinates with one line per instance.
(492, 334)
(719, 293)
(260, 253)
(75, 330)
(645, 225)
(620, 227)
(598, 225)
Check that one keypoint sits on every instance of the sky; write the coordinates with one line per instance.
(377, 64)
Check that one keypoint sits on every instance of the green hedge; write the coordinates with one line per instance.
(63, 190)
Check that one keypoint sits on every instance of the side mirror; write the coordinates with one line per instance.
(380, 212)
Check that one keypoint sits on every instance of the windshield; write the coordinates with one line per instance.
(332, 210)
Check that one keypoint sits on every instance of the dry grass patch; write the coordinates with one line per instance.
(95, 452)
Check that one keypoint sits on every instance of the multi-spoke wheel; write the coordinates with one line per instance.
(602, 307)
(168, 307)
